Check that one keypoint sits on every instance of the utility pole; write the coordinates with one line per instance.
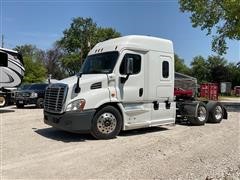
(2, 41)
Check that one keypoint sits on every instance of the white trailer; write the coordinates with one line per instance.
(11, 73)
(124, 83)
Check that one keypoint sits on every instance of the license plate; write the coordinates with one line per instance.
(20, 102)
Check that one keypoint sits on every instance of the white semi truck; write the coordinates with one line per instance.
(125, 83)
(11, 73)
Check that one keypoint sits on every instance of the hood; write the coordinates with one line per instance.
(87, 83)
(85, 79)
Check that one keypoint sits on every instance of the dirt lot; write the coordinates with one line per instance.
(33, 150)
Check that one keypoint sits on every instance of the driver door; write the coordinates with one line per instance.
(131, 86)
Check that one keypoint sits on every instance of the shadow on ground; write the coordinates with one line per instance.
(141, 131)
(63, 136)
(6, 111)
(58, 135)
(28, 107)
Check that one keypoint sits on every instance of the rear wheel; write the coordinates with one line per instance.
(216, 112)
(107, 123)
(202, 115)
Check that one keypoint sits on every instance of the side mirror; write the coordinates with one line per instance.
(128, 69)
(129, 66)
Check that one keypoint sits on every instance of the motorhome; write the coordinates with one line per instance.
(125, 83)
(11, 73)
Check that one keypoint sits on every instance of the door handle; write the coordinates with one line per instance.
(140, 92)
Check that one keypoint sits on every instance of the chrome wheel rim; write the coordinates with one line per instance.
(202, 113)
(218, 112)
(2, 101)
(106, 123)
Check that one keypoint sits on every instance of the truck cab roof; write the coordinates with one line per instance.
(134, 42)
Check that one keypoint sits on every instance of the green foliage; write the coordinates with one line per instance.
(103, 34)
(233, 74)
(200, 69)
(220, 15)
(34, 68)
(215, 69)
(79, 36)
(27, 50)
(71, 63)
(180, 66)
(34, 71)
(78, 40)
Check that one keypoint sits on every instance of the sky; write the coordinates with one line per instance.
(42, 22)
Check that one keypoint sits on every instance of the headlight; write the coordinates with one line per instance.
(33, 95)
(76, 105)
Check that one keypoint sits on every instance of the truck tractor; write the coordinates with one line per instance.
(124, 83)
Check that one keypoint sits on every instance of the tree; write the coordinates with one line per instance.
(234, 74)
(34, 71)
(180, 66)
(217, 69)
(103, 34)
(77, 40)
(220, 15)
(34, 68)
(52, 63)
(71, 63)
(199, 69)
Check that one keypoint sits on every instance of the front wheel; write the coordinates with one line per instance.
(3, 101)
(107, 123)
(40, 103)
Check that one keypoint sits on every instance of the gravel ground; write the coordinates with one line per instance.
(32, 150)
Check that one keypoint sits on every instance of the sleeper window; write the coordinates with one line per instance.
(165, 69)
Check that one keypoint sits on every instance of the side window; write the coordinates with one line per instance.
(136, 63)
(165, 69)
(3, 59)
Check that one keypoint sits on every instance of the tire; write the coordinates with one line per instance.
(216, 112)
(202, 115)
(3, 101)
(107, 123)
(40, 103)
(20, 105)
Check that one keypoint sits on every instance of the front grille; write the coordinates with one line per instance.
(23, 94)
(55, 97)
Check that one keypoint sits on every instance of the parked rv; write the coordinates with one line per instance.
(12, 72)
(124, 83)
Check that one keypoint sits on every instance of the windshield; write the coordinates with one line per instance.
(100, 63)
(24, 87)
(38, 87)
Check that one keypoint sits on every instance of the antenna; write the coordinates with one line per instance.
(2, 41)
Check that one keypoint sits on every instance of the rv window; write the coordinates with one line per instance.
(165, 69)
(136, 63)
(3, 59)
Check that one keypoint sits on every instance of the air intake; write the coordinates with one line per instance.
(97, 85)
